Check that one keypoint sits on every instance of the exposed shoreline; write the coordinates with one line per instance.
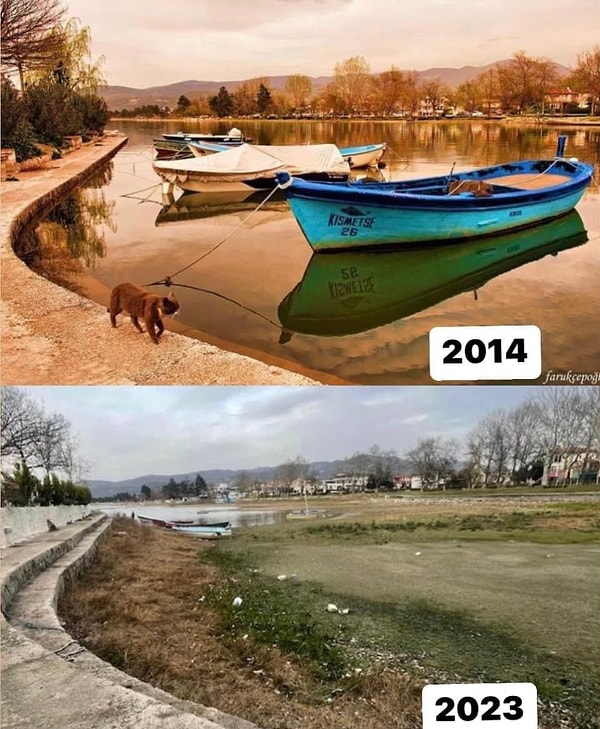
(53, 336)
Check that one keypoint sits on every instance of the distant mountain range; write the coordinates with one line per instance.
(103, 489)
(125, 97)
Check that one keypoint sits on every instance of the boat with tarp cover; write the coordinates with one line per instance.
(254, 165)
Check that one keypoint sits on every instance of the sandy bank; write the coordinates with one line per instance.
(52, 336)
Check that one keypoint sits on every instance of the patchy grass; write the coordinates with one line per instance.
(436, 592)
(159, 606)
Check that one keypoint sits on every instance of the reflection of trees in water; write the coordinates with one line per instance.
(73, 234)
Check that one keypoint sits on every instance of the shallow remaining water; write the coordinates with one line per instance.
(207, 512)
(254, 287)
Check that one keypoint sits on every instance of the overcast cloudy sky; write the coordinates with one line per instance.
(134, 431)
(154, 43)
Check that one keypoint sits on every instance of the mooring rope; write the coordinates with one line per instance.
(227, 298)
(168, 280)
(152, 188)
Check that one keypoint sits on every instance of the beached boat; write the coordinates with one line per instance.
(355, 291)
(254, 166)
(152, 520)
(206, 532)
(463, 205)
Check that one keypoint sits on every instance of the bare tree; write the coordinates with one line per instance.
(489, 446)
(389, 88)
(524, 432)
(434, 91)
(352, 83)
(586, 76)
(20, 416)
(299, 89)
(290, 471)
(434, 460)
(39, 439)
(29, 34)
(566, 424)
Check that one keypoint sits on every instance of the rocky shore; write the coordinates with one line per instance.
(52, 336)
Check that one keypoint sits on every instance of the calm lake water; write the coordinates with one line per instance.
(261, 292)
(208, 513)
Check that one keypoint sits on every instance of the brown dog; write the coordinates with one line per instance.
(139, 303)
(477, 187)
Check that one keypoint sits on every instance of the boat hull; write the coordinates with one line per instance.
(367, 155)
(358, 215)
(204, 532)
(357, 291)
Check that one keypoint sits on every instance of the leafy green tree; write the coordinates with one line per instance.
(27, 484)
(51, 112)
(222, 103)
(16, 131)
(263, 99)
(183, 105)
(200, 486)
(146, 492)
(93, 112)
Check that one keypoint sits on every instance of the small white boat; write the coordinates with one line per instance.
(365, 155)
(233, 137)
(255, 166)
(205, 532)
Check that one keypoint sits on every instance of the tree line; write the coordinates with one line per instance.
(58, 88)
(518, 86)
(176, 490)
(508, 447)
(34, 440)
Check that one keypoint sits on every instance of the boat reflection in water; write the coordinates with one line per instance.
(225, 201)
(230, 198)
(347, 293)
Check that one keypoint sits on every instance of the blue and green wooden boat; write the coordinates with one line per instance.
(465, 205)
(356, 291)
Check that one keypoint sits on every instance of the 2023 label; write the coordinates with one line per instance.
(485, 353)
(480, 706)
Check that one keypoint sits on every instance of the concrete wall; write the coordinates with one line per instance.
(23, 522)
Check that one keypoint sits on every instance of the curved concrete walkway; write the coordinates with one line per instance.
(52, 336)
(48, 679)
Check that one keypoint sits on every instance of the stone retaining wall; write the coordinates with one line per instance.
(23, 522)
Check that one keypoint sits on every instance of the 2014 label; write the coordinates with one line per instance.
(475, 350)
(480, 706)
(485, 353)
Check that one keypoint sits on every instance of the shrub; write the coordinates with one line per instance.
(17, 132)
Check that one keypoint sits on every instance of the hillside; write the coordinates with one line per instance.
(103, 489)
(125, 97)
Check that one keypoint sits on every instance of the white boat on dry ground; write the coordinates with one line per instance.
(254, 165)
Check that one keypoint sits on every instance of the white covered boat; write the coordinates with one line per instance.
(255, 166)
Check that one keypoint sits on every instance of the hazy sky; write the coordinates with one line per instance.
(134, 431)
(154, 43)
